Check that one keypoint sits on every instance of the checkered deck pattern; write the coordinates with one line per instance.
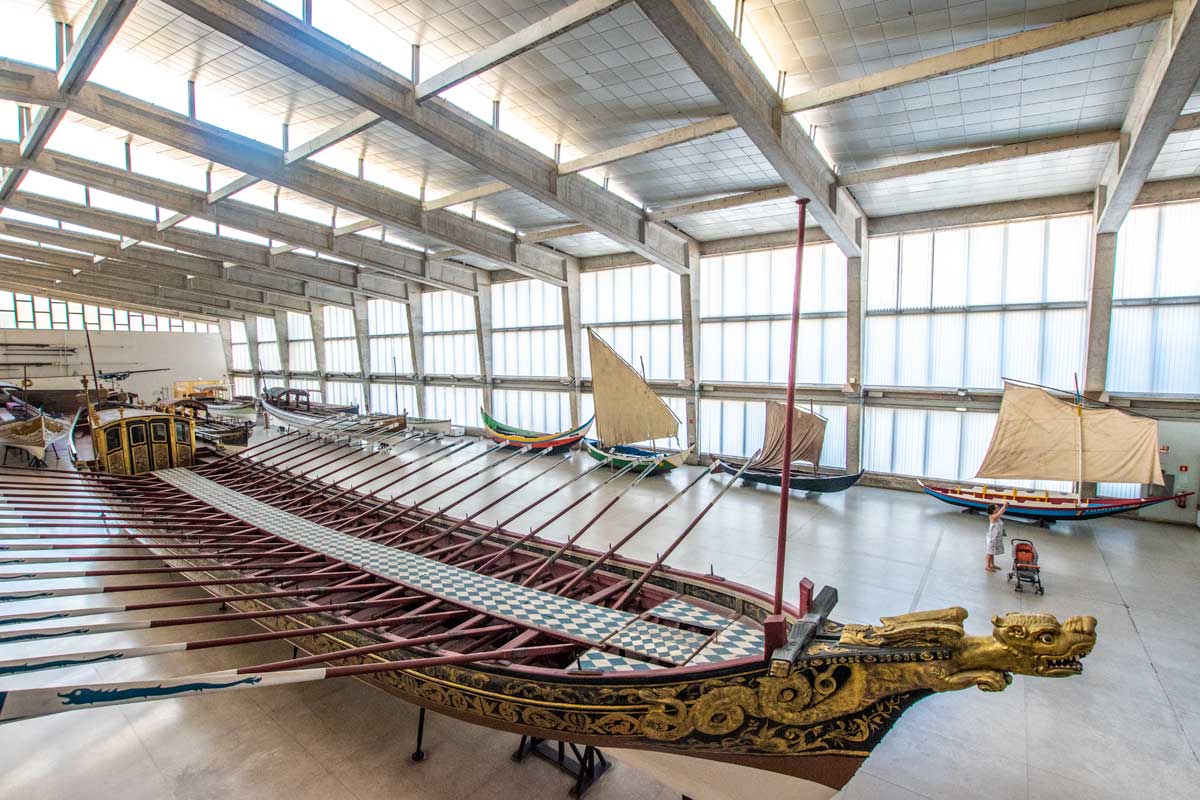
(679, 610)
(495, 597)
(737, 641)
(657, 641)
(608, 662)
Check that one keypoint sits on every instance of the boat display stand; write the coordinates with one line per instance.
(587, 766)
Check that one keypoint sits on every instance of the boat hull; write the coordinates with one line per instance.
(799, 483)
(1045, 507)
(648, 711)
(638, 458)
(517, 437)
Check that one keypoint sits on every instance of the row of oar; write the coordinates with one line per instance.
(267, 476)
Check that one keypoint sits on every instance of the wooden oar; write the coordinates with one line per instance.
(454, 550)
(418, 545)
(39, 634)
(645, 576)
(19, 704)
(583, 572)
(366, 530)
(47, 615)
(21, 666)
(38, 594)
(489, 559)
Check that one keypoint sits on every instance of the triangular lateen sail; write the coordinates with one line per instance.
(1038, 437)
(627, 409)
(808, 435)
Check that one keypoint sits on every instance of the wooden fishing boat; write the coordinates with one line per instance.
(519, 437)
(1045, 434)
(628, 412)
(26, 428)
(211, 427)
(520, 632)
(808, 441)
(279, 400)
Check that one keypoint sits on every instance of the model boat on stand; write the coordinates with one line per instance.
(808, 440)
(1055, 436)
(25, 428)
(519, 437)
(628, 412)
(525, 633)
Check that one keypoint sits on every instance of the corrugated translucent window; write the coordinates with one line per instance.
(393, 398)
(533, 410)
(735, 428)
(460, 404)
(341, 346)
(527, 335)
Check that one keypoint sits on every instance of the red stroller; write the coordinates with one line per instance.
(1025, 566)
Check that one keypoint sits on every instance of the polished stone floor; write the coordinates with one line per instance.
(1128, 727)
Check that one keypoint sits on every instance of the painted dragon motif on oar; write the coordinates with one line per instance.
(84, 696)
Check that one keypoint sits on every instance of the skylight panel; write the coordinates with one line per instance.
(290, 204)
(293, 7)
(49, 186)
(28, 36)
(171, 166)
(237, 114)
(130, 72)
(67, 226)
(9, 129)
(75, 137)
(244, 236)
(122, 205)
(21, 216)
(201, 225)
(366, 34)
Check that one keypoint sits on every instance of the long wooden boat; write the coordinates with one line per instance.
(26, 428)
(511, 436)
(628, 413)
(1041, 505)
(796, 481)
(1045, 434)
(211, 427)
(766, 467)
(599, 649)
(520, 632)
(300, 401)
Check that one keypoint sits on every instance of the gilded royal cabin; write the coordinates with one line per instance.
(132, 441)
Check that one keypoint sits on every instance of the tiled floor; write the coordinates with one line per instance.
(1129, 727)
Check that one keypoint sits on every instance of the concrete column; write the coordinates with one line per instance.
(251, 323)
(689, 291)
(573, 336)
(1104, 262)
(227, 349)
(285, 355)
(853, 386)
(316, 317)
(483, 335)
(361, 338)
(416, 342)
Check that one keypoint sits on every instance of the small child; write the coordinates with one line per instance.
(995, 534)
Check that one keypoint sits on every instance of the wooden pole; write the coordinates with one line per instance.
(775, 626)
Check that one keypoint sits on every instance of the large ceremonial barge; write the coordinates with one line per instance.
(351, 542)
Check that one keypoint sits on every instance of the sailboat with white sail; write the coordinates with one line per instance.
(1045, 436)
(808, 440)
(628, 412)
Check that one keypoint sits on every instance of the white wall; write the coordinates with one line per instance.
(1183, 442)
(188, 356)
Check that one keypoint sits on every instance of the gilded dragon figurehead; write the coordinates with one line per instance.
(1024, 644)
(1038, 645)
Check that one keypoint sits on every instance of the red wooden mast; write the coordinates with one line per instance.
(775, 625)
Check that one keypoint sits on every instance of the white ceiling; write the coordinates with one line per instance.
(616, 80)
